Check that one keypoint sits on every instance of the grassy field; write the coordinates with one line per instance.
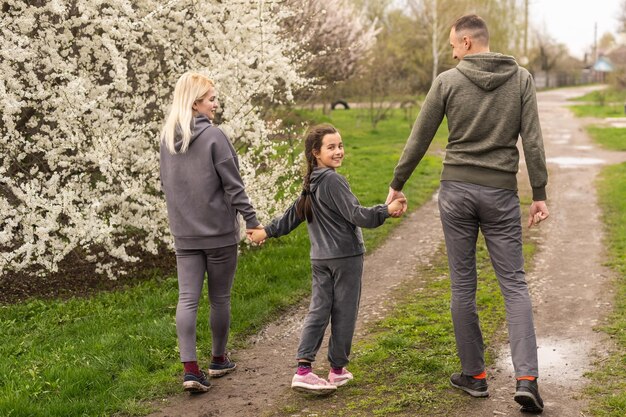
(608, 388)
(403, 366)
(613, 138)
(113, 352)
(603, 103)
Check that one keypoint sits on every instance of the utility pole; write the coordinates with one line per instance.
(595, 42)
(526, 28)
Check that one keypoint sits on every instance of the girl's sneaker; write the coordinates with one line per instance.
(196, 383)
(312, 384)
(340, 379)
(218, 369)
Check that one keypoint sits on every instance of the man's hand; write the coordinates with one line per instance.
(394, 195)
(538, 213)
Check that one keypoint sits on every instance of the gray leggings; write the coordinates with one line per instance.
(465, 208)
(220, 265)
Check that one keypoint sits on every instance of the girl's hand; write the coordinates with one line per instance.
(397, 207)
(256, 235)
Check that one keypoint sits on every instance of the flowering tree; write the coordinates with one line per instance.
(84, 87)
(335, 35)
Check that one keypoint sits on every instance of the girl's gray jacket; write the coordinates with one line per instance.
(204, 190)
(335, 231)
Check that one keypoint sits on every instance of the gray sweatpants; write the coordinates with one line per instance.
(336, 292)
(465, 208)
(220, 265)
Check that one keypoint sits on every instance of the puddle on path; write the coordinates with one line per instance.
(574, 162)
(562, 362)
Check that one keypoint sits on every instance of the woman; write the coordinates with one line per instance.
(204, 192)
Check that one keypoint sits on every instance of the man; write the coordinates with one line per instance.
(489, 101)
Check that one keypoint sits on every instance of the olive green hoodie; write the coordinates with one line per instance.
(489, 101)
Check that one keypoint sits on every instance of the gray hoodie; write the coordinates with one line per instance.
(335, 231)
(204, 190)
(489, 101)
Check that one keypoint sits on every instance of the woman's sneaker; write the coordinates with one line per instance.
(196, 383)
(218, 369)
(340, 379)
(312, 384)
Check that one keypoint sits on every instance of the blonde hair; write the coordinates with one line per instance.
(190, 87)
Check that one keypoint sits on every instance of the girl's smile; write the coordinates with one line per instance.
(331, 153)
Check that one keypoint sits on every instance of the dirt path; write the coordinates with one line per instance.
(568, 285)
(569, 282)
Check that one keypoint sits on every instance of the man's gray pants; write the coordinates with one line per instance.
(465, 208)
(335, 296)
(220, 265)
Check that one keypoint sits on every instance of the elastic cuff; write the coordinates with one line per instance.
(539, 194)
(396, 184)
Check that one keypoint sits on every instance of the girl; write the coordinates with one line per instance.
(204, 192)
(334, 217)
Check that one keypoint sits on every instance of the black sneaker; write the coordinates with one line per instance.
(527, 395)
(196, 383)
(217, 369)
(474, 387)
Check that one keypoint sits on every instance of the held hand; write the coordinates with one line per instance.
(257, 235)
(538, 213)
(397, 207)
(394, 195)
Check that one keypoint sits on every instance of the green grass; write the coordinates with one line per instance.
(114, 352)
(613, 138)
(592, 110)
(604, 103)
(609, 95)
(403, 367)
(608, 387)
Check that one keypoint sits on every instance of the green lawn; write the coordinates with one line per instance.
(607, 390)
(608, 95)
(113, 352)
(604, 103)
(613, 138)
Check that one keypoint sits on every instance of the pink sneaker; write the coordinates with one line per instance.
(340, 379)
(312, 384)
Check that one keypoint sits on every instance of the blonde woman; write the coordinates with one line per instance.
(204, 192)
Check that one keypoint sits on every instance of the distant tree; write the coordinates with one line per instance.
(334, 34)
(606, 41)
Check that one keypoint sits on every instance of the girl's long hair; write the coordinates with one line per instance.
(312, 142)
(190, 87)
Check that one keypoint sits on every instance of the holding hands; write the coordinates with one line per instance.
(396, 203)
(257, 235)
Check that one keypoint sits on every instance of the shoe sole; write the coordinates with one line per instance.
(216, 373)
(194, 386)
(310, 389)
(471, 392)
(528, 402)
(341, 382)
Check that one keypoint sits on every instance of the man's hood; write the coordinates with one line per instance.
(488, 70)
(318, 175)
(198, 125)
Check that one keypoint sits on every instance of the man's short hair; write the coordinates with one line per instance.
(474, 26)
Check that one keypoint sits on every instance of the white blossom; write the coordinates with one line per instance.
(84, 88)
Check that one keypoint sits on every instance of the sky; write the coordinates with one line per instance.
(572, 21)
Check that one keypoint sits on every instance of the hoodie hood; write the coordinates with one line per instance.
(198, 125)
(488, 70)
(318, 175)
